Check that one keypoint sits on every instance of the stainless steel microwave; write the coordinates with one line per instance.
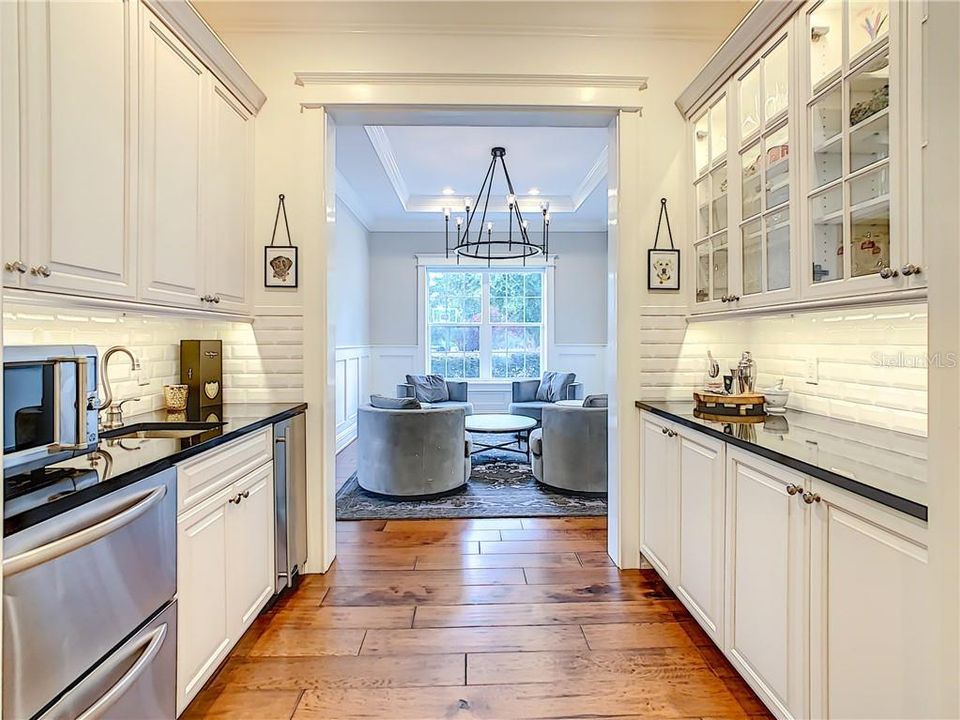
(49, 404)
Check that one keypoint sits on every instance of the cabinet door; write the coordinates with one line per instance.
(174, 86)
(659, 496)
(702, 499)
(250, 556)
(227, 197)
(766, 581)
(870, 631)
(12, 260)
(203, 635)
(79, 106)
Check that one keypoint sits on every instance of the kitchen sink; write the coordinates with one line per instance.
(159, 433)
(176, 431)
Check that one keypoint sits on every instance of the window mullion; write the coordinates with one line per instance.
(486, 338)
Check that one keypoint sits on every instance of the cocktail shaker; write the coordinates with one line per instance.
(746, 373)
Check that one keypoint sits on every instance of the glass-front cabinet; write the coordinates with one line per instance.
(801, 159)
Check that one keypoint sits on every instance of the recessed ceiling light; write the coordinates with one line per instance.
(448, 191)
(533, 191)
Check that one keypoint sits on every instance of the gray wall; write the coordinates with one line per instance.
(580, 290)
(351, 280)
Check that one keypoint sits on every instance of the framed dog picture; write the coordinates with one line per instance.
(280, 267)
(663, 269)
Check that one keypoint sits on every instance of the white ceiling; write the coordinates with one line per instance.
(401, 177)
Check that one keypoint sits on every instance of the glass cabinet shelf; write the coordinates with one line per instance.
(825, 27)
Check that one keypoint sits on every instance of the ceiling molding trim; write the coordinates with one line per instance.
(473, 29)
(757, 27)
(388, 159)
(594, 177)
(351, 198)
(635, 82)
(422, 223)
(498, 203)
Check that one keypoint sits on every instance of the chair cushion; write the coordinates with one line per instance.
(465, 406)
(388, 403)
(528, 409)
(429, 388)
(553, 386)
(536, 442)
(595, 401)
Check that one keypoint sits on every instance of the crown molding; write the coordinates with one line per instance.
(348, 195)
(432, 224)
(362, 77)
(498, 203)
(388, 160)
(594, 177)
(759, 25)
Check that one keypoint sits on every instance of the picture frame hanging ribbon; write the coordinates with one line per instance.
(663, 264)
(280, 262)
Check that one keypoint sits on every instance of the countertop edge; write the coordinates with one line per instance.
(894, 502)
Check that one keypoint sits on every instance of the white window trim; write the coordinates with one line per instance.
(427, 262)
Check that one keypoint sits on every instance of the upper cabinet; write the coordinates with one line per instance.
(128, 137)
(806, 194)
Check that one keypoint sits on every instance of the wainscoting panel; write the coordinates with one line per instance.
(390, 364)
(352, 371)
(587, 361)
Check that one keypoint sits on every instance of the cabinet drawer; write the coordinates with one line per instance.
(203, 476)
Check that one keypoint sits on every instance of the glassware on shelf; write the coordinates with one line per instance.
(718, 204)
(752, 257)
(826, 214)
(703, 207)
(718, 129)
(869, 90)
(720, 266)
(826, 41)
(750, 181)
(703, 271)
(867, 22)
(777, 180)
(776, 74)
(750, 110)
(777, 238)
(701, 143)
(870, 239)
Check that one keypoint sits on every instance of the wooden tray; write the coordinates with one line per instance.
(747, 405)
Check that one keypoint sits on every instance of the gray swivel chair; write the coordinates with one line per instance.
(570, 450)
(412, 453)
(531, 396)
(456, 390)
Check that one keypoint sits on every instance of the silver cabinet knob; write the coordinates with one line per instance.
(236, 500)
(215, 298)
(41, 271)
(724, 299)
(793, 489)
(889, 272)
(664, 430)
(245, 494)
(810, 498)
(671, 433)
(910, 269)
(15, 266)
(207, 298)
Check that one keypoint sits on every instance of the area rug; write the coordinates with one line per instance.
(501, 485)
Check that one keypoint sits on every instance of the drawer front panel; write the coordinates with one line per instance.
(204, 476)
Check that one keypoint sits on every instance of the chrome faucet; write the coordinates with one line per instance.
(114, 415)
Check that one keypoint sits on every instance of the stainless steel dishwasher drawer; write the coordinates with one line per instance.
(137, 682)
(76, 585)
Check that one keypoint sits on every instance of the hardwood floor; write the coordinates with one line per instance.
(493, 619)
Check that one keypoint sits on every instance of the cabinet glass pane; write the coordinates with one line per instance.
(867, 22)
(718, 204)
(720, 266)
(826, 41)
(777, 182)
(750, 181)
(826, 215)
(752, 258)
(870, 142)
(777, 226)
(776, 73)
(701, 143)
(718, 129)
(826, 116)
(703, 271)
(750, 117)
(703, 207)
(869, 90)
(870, 188)
(827, 163)
(870, 239)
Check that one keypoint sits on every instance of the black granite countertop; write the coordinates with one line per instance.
(886, 466)
(30, 498)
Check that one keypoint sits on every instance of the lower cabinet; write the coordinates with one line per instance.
(225, 575)
(817, 596)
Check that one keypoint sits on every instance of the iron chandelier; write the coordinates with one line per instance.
(485, 246)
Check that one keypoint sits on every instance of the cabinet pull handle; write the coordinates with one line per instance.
(15, 266)
(664, 431)
(246, 494)
(793, 489)
(41, 271)
(910, 269)
(236, 500)
(889, 272)
(810, 498)
(215, 298)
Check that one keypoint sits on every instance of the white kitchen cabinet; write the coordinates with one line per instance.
(78, 109)
(228, 202)
(767, 560)
(174, 85)
(659, 498)
(871, 640)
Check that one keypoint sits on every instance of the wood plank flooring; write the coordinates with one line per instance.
(493, 619)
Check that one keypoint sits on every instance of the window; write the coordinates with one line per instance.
(485, 324)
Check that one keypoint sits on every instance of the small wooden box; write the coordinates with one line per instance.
(732, 406)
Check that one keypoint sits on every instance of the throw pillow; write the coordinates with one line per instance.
(595, 401)
(559, 384)
(388, 403)
(429, 388)
(543, 392)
